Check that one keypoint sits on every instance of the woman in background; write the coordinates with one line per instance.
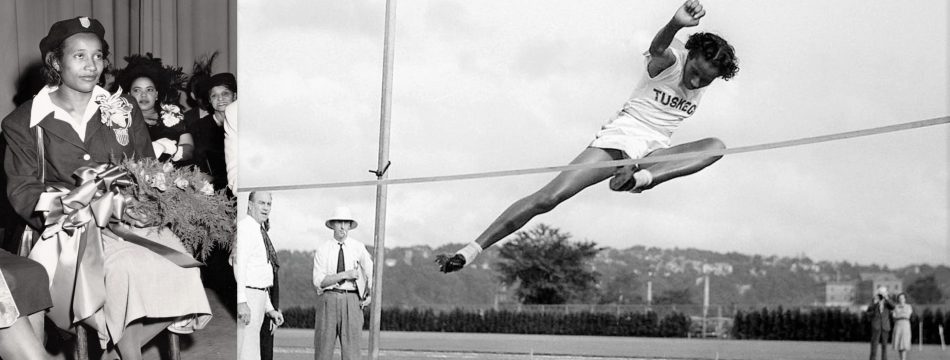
(151, 85)
(209, 130)
(902, 313)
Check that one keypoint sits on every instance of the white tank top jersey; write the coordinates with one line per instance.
(658, 104)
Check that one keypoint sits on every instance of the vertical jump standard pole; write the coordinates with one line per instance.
(381, 189)
(705, 303)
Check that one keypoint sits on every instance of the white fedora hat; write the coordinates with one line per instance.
(343, 214)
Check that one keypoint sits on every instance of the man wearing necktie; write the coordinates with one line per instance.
(342, 272)
(254, 268)
(270, 325)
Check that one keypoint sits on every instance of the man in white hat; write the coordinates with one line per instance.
(254, 267)
(880, 313)
(342, 272)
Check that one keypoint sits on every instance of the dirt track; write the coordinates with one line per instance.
(298, 344)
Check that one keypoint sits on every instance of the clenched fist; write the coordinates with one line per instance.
(688, 14)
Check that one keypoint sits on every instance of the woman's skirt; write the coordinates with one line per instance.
(24, 289)
(142, 284)
(902, 334)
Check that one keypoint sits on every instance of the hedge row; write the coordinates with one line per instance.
(829, 324)
(552, 323)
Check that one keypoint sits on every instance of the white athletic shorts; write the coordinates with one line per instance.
(633, 137)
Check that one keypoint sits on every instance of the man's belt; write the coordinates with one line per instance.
(259, 288)
(341, 291)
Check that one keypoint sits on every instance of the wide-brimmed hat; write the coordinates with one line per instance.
(342, 214)
(882, 290)
(65, 28)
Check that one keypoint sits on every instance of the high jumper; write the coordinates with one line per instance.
(668, 93)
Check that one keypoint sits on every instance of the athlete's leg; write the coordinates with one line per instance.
(563, 187)
(667, 170)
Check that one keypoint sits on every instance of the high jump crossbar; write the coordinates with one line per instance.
(616, 163)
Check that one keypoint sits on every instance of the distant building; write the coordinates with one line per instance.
(743, 288)
(838, 293)
(718, 269)
(812, 268)
(870, 281)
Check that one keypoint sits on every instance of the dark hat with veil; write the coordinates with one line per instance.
(168, 80)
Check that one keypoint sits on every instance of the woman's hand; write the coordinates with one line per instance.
(186, 147)
(164, 146)
(688, 14)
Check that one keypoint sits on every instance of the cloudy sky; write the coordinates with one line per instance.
(500, 85)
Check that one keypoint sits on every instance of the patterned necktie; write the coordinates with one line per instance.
(340, 265)
(271, 253)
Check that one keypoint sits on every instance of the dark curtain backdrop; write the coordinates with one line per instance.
(175, 30)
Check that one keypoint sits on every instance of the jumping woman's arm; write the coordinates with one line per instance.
(660, 55)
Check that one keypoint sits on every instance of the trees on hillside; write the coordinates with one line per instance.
(623, 288)
(924, 290)
(674, 297)
(548, 268)
(410, 280)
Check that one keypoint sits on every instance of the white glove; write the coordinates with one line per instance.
(179, 153)
(164, 146)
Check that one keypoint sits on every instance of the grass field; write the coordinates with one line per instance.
(296, 344)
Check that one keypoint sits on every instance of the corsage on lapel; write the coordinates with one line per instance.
(171, 115)
(117, 114)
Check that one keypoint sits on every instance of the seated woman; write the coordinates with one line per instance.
(70, 124)
(150, 84)
(24, 292)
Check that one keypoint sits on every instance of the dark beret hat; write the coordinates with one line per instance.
(65, 28)
(226, 79)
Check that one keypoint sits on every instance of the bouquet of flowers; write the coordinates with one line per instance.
(184, 201)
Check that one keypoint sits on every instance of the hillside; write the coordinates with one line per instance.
(412, 278)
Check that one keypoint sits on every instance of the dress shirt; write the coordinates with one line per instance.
(43, 105)
(354, 254)
(251, 267)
